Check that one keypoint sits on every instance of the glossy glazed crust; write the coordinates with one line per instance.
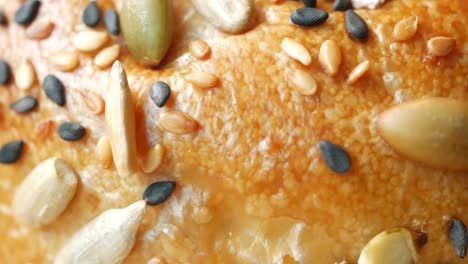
(252, 186)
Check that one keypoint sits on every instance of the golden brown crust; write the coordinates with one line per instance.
(253, 172)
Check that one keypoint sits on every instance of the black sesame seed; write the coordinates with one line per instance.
(24, 105)
(342, 5)
(160, 93)
(308, 16)
(111, 20)
(158, 192)
(70, 131)
(54, 89)
(335, 157)
(5, 72)
(3, 18)
(27, 12)
(356, 26)
(91, 14)
(458, 237)
(10, 152)
(310, 3)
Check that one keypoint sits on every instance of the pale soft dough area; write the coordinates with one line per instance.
(252, 186)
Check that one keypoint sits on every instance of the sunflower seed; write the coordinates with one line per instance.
(27, 12)
(24, 105)
(107, 56)
(336, 158)
(54, 89)
(296, 51)
(91, 14)
(104, 152)
(120, 120)
(199, 49)
(88, 41)
(158, 192)
(5, 72)
(202, 80)
(390, 247)
(432, 130)
(302, 82)
(108, 238)
(308, 16)
(458, 237)
(358, 72)
(65, 61)
(441, 46)
(111, 20)
(405, 28)
(177, 122)
(44, 193)
(153, 159)
(160, 93)
(342, 5)
(11, 152)
(92, 102)
(71, 131)
(25, 75)
(330, 57)
(40, 30)
(356, 26)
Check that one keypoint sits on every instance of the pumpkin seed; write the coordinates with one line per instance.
(108, 238)
(433, 131)
(44, 193)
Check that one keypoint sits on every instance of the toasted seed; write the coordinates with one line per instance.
(120, 121)
(335, 157)
(202, 80)
(330, 57)
(308, 16)
(296, 51)
(70, 131)
(372, 4)
(27, 12)
(358, 72)
(54, 89)
(177, 122)
(91, 14)
(148, 37)
(40, 30)
(153, 159)
(390, 247)
(111, 20)
(3, 18)
(43, 129)
(11, 152)
(158, 192)
(92, 101)
(356, 26)
(24, 105)
(441, 46)
(25, 75)
(104, 152)
(160, 93)
(227, 15)
(5, 72)
(65, 61)
(108, 238)
(45, 193)
(302, 82)
(458, 237)
(405, 28)
(199, 48)
(342, 5)
(90, 40)
(433, 131)
(107, 56)
(310, 3)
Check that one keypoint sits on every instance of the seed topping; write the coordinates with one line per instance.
(177, 122)
(441, 46)
(24, 105)
(405, 28)
(65, 61)
(104, 152)
(160, 93)
(336, 158)
(342, 5)
(158, 192)
(458, 237)
(91, 14)
(40, 30)
(92, 101)
(308, 16)
(70, 131)
(358, 72)
(27, 12)
(25, 75)
(330, 57)
(296, 51)
(302, 82)
(356, 26)
(204, 80)
(43, 129)
(153, 159)
(5, 72)
(107, 56)
(310, 3)
(11, 152)
(199, 49)
(3, 18)
(111, 20)
(54, 89)
(88, 41)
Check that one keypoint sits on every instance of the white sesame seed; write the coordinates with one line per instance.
(296, 51)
